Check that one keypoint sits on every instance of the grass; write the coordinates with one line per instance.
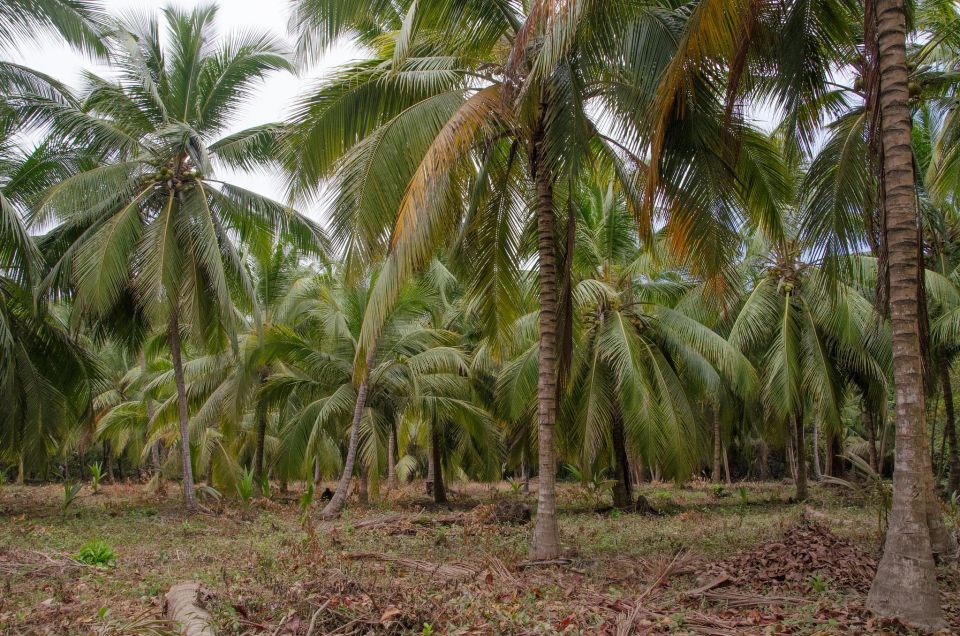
(265, 571)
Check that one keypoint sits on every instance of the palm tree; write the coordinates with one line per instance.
(641, 363)
(153, 225)
(905, 584)
(810, 336)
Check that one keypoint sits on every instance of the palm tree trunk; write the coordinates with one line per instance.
(817, 472)
(439, 492)
(261, 439)
(258, 454)
(622, 489)
(950, 432)
(364, 494)
(717, 443)
(905, 585)
(173, 336)
(546, 538)
(392, 458)
(726, 466)
(801, 457)
(866, 419)
(335, 506)
(108, 461)
(431, 470)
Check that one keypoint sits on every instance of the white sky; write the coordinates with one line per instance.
(272, 100)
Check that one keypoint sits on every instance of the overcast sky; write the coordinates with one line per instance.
(273, 99)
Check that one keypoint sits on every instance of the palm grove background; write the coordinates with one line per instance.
(556, 246)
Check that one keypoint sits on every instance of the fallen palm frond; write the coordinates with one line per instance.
(448, 571)
(35, 562)
(740, 599)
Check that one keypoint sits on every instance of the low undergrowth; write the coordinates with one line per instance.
(399, 567)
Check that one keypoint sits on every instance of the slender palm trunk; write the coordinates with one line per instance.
(546, 537)
(905, 585)
(431, 469)
(623, 489)
(258, 454)
(817, 471)
(335, 506)
(866, 420)
(726, 466)
(364, 494)
(439, 492)
(261, 439)
(173, 335)
(392, 458)
(801, 459)
(108, 460)
(950, 432)
(717, 444)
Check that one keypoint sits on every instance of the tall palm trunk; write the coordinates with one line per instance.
(335, 506)
(392, 458)
(439, 492)
(801, 479)
(817, 471)
(173, 336)
(717, 449)
(950, 432)
(258, 454)
(546, 539)
(906, 583)
(866, 420)
(261, 439)
(623, 489)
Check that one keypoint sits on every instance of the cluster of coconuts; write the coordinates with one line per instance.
(181, 181)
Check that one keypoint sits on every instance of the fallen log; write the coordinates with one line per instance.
(183, 608)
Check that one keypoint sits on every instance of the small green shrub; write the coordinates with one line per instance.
(718, 491)
(97, 553)
(71, 491)
(96, 475)
(265, 486)
(744, 495)
(245, 488)
(818, 584)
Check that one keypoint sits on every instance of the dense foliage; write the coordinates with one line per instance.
(556, 244)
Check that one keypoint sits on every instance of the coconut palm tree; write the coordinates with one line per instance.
(153, 226)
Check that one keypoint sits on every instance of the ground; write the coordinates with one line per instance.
(739, 559)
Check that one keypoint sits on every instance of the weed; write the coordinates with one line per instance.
(744, 495)
(245, 489)
(71, 491)
(818, 584)
(427, 630)
(96, 475)
(97, 553)
(718, 491)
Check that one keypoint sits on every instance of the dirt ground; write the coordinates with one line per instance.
(736, 560)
